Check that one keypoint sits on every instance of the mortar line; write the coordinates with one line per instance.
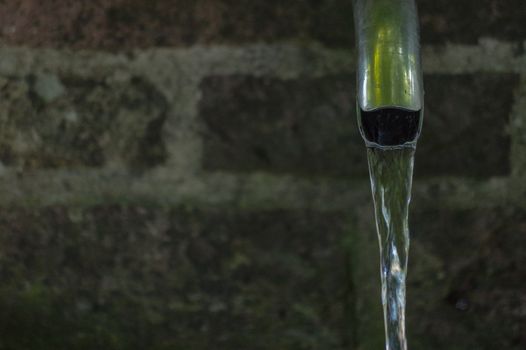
(255, 191)
(182, 132)
(285, 61)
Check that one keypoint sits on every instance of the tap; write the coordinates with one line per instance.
(389, 75)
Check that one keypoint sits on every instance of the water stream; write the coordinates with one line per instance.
(391, 172)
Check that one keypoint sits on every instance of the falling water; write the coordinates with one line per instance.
(391, 172)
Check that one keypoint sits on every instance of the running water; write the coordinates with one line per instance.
(391, 172)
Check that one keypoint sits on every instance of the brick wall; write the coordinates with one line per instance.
(189, 175)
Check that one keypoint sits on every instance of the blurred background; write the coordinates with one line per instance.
(188, 174)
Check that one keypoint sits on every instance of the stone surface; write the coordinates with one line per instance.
(467, 274)
(123, 24)
(518, 131)
(465, 287)
(303, 126)
(466, 21)
(308, 126)
(466, 125)
(252, 227)
(150, 277)
(57, 122)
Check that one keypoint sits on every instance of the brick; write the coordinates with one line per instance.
(303, 126)
(465, 125)
(118, 24)
(124, 24)
(51, 121)
(308, 126)
(467, 272)
(467, 21)
(150, 277)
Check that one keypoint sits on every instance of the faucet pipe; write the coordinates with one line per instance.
(389, 74)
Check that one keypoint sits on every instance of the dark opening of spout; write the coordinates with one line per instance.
(390, 126)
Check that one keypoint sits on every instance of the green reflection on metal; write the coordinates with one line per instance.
(390, 63)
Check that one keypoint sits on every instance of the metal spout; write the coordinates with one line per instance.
(389, 74)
